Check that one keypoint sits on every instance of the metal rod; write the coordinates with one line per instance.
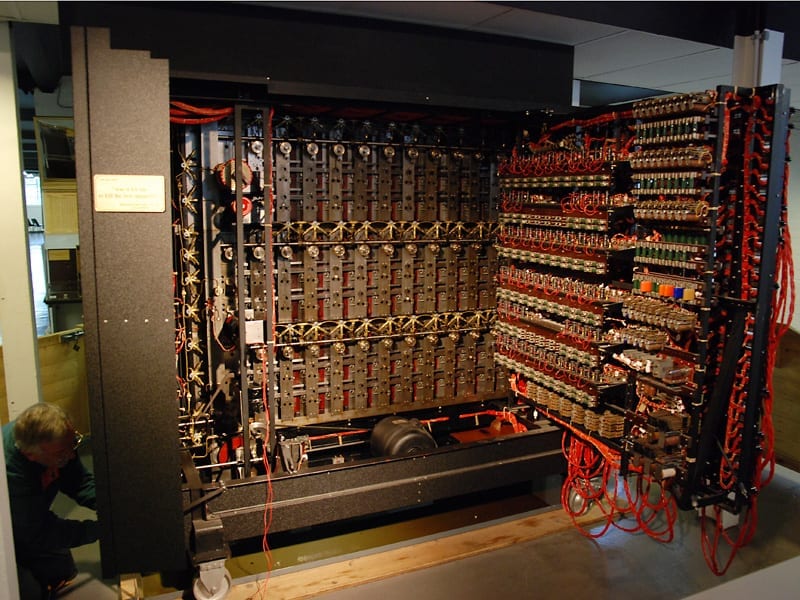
(244, 407)
(269, 288)
(220, 465)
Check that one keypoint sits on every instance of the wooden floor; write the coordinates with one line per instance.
(538, 555)
(370, 535)
(309, 583)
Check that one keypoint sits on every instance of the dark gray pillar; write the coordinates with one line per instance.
(122, 128)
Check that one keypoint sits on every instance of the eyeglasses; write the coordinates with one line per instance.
(79, 437)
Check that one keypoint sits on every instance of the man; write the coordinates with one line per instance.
(40, 462)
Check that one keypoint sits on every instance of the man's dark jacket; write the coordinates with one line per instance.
(37, 530)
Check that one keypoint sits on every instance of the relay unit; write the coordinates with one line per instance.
(338, 274)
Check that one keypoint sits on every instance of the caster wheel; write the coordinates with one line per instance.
(577, 504)
(201, 592)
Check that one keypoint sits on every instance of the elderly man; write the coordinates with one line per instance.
(41, 460)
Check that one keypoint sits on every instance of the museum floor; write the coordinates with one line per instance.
(562, 564)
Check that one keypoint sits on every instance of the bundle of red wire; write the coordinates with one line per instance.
(547, 160)
(632, 503)
(265, 455)
(182, 113)
(783, 301)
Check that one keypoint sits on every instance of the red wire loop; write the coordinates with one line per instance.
(182, 113)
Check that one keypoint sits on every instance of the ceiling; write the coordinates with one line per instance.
(624, 54)
(630, 55)
(603, 53)
(619, 53)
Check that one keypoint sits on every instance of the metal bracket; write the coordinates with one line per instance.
(294, 453)
(205, 498)
(208, 541)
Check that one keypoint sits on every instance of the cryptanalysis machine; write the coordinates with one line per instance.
(347, 308)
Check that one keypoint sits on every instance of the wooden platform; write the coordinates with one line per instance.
(310, 582)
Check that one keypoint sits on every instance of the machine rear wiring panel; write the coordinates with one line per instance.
(350, 292)
(349, 278)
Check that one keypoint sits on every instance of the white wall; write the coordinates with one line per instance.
(16, 313)
(17, 324)
(57, 103)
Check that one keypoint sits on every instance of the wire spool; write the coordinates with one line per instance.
(247, 206)
(612, 426)
(591, 421)
(578, 414)
(396, 436)
(541, 395)
(565, 408)
(553, 401)
(226, 172)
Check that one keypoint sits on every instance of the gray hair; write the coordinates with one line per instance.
(41, 423)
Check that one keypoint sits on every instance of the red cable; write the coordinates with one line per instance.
(185, 108)
(269, 492)
(181, 114)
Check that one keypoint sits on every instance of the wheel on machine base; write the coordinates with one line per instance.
(201, 592)
(577, 504)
